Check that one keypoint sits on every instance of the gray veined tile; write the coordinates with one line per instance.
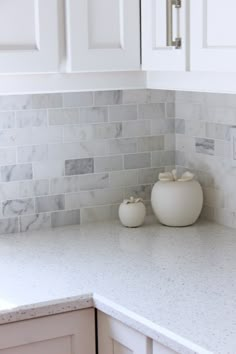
(9, 225)
(94, 181)
(134, 161)
(136, 96)
(51, 100)
(15, 102)
(32, 153)
(122, 113)
(205, 146)
(107, 131)
(77, 99)
(31, 118)
(101, 197)
(137, 128)
(108, 163)
(152, 111)
(50, 203)
(122, 146)
(179, 126)
(18, 207)
(35, 222)
(149, 175)
(7, 120)
(7, 156)
(93, 115)
(48, 169)
(104, 98)
(151, 143)
(99, 213)
(63, 116)
(65, 218)
(33, 188)
(79, 166)
(123, 178)
(16, 172)
(65, 185)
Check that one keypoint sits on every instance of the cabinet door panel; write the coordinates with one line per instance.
(117, 338)
(70, 333)
(28, 36)
(213, 40)
(103, 35)
(156, 55)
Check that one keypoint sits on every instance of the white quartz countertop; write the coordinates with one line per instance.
(177, 286)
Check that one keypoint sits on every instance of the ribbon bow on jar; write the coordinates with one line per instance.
(172, 176)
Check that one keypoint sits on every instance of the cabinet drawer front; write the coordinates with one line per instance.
(161, 349)
(69, 333)
(116, 338)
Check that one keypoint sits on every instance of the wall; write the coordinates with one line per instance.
(203, 123)
(71, 158)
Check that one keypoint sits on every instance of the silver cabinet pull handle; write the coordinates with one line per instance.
(177, 42)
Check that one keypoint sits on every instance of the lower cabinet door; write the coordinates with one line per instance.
(161, 349)
(116, 338)
(69, 333)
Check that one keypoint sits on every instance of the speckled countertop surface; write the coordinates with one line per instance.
(177, 286)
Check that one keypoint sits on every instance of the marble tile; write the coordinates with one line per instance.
(65, 185)
(100, 213)
(205, 146)
(15, 102)
(7, 156)
(101, 197)
(151, 143)
(136, 96)
(35, 222)
(50, 203)
(143, 192)
(79, 166)
(179, 126)
(48, 169)
(169, 142)
(34, 118)
(180, 158)
(195, 128)
(163, 158)
(122, 146)
(18, 207)
(74, 133)
(32, 153)
(65, 218)
(9, 226)
(152, 111)
(162, 126)
(107, 131)
(94, 115)
(170, 110)
(123, 113)
(33, 188)
(149, 175)
(77, 99)
(108, 163)
(133, 161)
(8, 137)
(186, 110)
(16, 172)
(136, 128)
(161, 96)
(52, 100)
(104, 98)
(123, 178)
(94, 181)
(7, 120)
(217, 131)
(9, 190)
(63, 116)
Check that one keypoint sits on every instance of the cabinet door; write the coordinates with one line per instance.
(116, 338)
(28, 36)
(213, 39)
(161, 349)
(70, 333)
(103, 35)
(157, 27)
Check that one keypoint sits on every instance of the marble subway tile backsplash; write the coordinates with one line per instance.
(71, 158)
(202, 127)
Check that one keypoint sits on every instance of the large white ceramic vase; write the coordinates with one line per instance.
(177, 202)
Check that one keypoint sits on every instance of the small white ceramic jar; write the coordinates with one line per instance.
(177, 202)
(132, 212)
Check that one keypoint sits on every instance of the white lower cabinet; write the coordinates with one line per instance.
(161, 349)
(116, 338)
(69, 333)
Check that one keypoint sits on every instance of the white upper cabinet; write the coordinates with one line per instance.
(164, 35)
(103, 35)
(28, 36)
(213, 35)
